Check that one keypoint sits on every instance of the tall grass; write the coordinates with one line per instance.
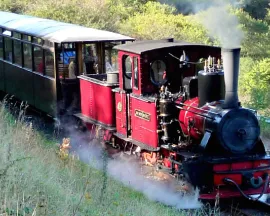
(35, 181)
(265, 132)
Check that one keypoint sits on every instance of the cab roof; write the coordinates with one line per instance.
(55, 31)
(140, 47)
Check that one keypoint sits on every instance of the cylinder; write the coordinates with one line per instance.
(211, 87)
(231, 59)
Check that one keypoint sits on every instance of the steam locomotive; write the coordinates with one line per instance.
(175, 105)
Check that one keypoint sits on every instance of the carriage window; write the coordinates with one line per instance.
(8, 49)
(27, 53)
(38, 60)
(49, 64)
(16, 35)
(127, 72)
(1, 47)
(17, 52)
(90, 59)
(111, 58)
(45, 43)
(26, 38)
(37, 41)
(7, 33)
(136, 73)
(69, 45)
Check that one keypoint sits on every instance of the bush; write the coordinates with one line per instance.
(256, 43)
(14, 6)
(255, 82)
(157, 21)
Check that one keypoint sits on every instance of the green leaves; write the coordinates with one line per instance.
(255, 83)
(157, 21)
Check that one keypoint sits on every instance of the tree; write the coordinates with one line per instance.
(157, 21)
(254, 82)
(256, 42)
(14, 6)
(256, 8)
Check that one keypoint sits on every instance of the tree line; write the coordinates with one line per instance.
(151, 19)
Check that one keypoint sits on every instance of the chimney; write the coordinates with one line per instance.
(231, 60)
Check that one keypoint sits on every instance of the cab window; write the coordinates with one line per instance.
(136, 73)
(158, 74)
(127, 72)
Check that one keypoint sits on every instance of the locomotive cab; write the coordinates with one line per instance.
(148, 68)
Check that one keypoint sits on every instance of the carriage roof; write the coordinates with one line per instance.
(55, 31)
(140, 47)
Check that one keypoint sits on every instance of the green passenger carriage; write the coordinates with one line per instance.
(35, 56)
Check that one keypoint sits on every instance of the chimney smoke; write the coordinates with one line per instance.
(231, 60)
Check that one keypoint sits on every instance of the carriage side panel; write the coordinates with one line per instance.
(97, 102)
(2, 76)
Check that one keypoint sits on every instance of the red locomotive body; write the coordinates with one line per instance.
(97, 100)
(176, 105)
(144, 121)
(121, 113)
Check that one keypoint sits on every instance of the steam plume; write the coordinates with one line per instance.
(129, 174)
(215, 17)
(222, 25)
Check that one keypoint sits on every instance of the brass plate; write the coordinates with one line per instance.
(142, 115)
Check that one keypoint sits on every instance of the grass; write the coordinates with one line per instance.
(34, 180)
(265, 129)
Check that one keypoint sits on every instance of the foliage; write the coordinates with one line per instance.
(157, 21)
(256, 43)
(15, 6)
(265, 131)
(82, 12)
(256, 8)
(255, 82)
(267, 17)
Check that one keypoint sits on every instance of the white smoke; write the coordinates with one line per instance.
(222, 25)
(129, 174)
(214, 15)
